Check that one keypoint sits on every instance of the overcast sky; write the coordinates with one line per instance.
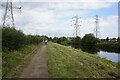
(54, 18)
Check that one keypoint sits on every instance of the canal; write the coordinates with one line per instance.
(109, 55)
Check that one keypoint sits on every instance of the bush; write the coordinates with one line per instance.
(109, 46)
(89, 43)
(76, 42)
(89, 40)
(55, 39)
(12, 38)
(33, 39)
(62, 40)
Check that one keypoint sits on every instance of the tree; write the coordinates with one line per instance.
(118, 43)
(61, 39)
(89, 43)
(12, 39)
(107, 39)
(50, 39)
(76, 42)
(118, 39)
(89, 40)
(64, 41)
(55, 39)
(45, 37)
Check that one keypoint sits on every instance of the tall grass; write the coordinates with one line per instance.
(14, 62)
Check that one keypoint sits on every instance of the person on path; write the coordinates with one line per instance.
(46, 42)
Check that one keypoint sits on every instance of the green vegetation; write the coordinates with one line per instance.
(17, 50)
(64, 62)
(119, 45)
(76, 42)
(67, 62)
(13, 39)
(88, 43)
(89, 40)
(14, 62)
(62, 40)
(109, 46)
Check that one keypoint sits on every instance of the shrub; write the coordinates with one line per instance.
(89, 43)
(76, 42)
(12, 38)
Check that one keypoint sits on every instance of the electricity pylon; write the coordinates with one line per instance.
(8, 17)
(76, 22)
(97, 30)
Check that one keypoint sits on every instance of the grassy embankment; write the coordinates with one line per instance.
(14, 62)
(67, 62)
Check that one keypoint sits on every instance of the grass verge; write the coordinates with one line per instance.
(14, 62)
(67, 62)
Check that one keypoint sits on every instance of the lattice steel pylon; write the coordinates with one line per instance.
(97, 30)
(8, 17)
(76, 22)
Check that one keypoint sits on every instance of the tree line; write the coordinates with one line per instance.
(87, 43)
(13, 39)
(90, 44)
(109, 44)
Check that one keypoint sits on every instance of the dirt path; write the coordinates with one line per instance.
(38, 65)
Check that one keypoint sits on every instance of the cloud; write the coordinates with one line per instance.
(73, 5)
(31, 20)
(63, 0)
(82, 5)
(44, 21)
(53, 19)
(109, 26)
(67, 4)
(108, 21)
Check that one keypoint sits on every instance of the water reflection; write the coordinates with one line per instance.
(113, 56)
(92, 50)
(109, 55)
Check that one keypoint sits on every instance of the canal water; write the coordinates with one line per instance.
(109, 55)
